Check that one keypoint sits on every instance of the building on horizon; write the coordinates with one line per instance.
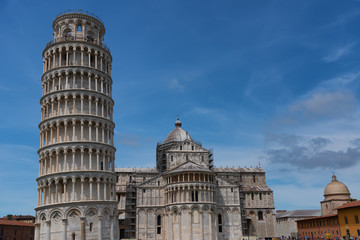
(330, 224)
(16, 230)
(348, 215)
(286, 221)
(186, 197)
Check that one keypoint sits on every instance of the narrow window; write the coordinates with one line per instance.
(232, 190)
(79, 28)
(180, 147)
(202, 158)
(101, 166)
(252, 196)
(260, 196)
(220, 222)
(144, 178)
(260, 216)
(254, 179)
(144, 190)
(172, 158)
(192, 196)
(158, 223)
(196, 196)
(73, 236)
(192, 147)
(187, 158)
(356, 219)
(346, 220)
(130, 178)
(91, 227)
(158, 183)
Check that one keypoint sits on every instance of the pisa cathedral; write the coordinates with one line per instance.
(81, 195)
(186, 197)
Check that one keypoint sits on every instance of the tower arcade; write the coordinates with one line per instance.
(76, 183)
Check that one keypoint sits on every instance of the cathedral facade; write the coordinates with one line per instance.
(186, 197)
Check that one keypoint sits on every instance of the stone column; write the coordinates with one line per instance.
(57, 162)
(90, 160)
(81, 79)
(56, 192)
(82, 227)
(60, 53)
(66, 80)
(90, 130)
(37, 231)
(91, 188)
(82, 54)
(73, 159)
(73, 133)
(64, 221)
(73, 189)
(82, 189)
(81, 104)
(98, 189)
(82, 158)
(48, 226)
(67, 57)
(65, 191)
(82, 130)
(99, 228)
(66, 110)
(96, 106)
(64, 168)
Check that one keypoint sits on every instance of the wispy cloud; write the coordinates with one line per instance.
(323, 105)
(176, 85)
(339, 52)
(128, 139)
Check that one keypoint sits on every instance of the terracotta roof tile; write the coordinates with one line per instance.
(349, 205)
(16, 223)
(325, 216)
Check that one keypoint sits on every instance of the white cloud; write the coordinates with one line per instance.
(176, 85)
(339, 52)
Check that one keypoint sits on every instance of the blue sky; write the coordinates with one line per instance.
(269, 81)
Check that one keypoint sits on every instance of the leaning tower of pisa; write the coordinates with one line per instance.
(76, 183)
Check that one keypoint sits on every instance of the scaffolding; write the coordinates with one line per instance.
(130, 210)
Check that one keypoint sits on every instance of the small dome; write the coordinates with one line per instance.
(178, 134)
(336, 190)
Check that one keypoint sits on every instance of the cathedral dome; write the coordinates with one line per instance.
(336, 190)
(178, 134)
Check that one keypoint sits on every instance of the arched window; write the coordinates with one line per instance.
(79, 28)
(220, 222)
(260, 216)
(187, 158)
(192, 147)
(252, 196)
